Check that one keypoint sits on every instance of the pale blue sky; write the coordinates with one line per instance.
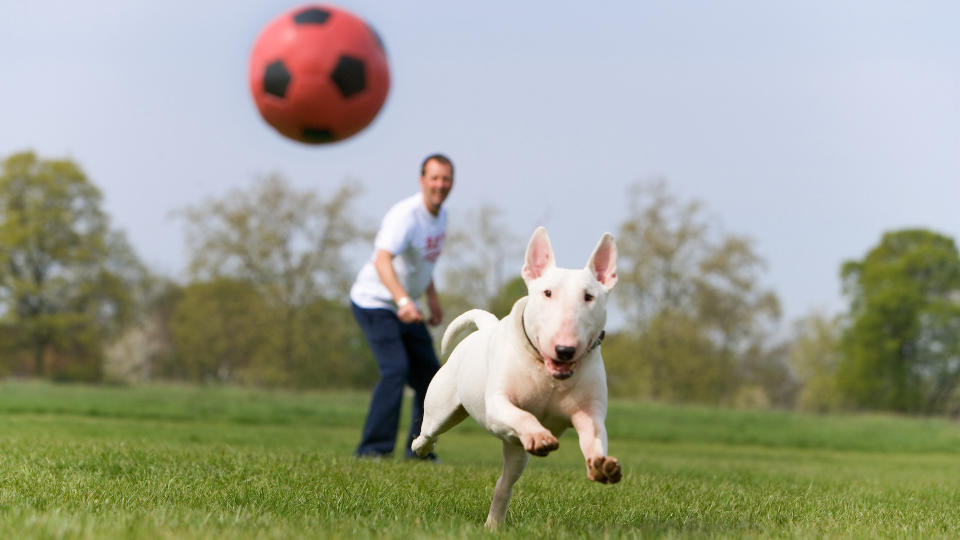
(811, 127)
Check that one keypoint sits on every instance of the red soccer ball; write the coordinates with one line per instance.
(318, 74)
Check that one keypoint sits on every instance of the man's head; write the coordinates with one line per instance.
(436, 181)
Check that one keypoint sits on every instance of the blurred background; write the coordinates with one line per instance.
(781, 181)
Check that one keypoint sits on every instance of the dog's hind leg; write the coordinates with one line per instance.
(514, 461)
(441, 409)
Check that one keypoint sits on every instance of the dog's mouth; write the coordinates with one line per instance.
(557, 369)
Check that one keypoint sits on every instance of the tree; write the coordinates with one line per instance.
(901, 347)
(658, 249)
(682, 364)
(289, 250)
(334, 353)
(225, 331)
(764, 377)
(814, 356)
(144, 350)
(220, 329)
(477, 254)
(67, 280)
(693, 298)
(290, 245)
(476, 257)
(511, 291)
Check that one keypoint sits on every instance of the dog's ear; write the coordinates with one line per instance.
(539, 256)
(603, 262)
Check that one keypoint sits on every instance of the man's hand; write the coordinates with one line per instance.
(407, 310)
(408, 313)
(436, 312)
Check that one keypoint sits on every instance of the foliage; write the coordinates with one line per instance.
(476, 255)
(700, 318)
(219, 329)
(814, 357)
(511, 291)
(270, 267)
(167, 461)
(290, 244)
(901, 349)
(68, 282)
(765, 377)
(671, 360)
(453, 305)
(225, 331)
(331, 352)
(146, 351)
(268, 301)
(500, 305)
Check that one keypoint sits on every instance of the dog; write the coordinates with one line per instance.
(530, 376)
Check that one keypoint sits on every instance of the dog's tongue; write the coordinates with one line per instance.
(558, 370)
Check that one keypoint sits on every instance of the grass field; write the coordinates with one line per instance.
(171, 462)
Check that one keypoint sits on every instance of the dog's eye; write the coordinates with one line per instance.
(587, 297)
(547, 293)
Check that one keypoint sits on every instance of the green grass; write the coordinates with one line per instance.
(173, 462)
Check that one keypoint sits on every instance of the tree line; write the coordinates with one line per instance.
(264, 301)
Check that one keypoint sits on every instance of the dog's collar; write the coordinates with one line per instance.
(523, 326)
(596, 342)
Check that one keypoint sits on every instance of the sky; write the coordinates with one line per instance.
(811, 127)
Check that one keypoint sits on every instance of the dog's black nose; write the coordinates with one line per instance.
(565, 353)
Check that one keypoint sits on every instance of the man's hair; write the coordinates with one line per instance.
(439, 158)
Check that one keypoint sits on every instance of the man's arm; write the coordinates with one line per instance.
(407, 312)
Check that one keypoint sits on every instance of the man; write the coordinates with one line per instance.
(384, 303)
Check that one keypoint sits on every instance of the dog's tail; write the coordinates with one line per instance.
(463, 325)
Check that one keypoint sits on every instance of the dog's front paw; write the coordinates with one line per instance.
(422, 445)
(604, 469)
(539, 443)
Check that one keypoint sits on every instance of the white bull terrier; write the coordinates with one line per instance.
(530, 376)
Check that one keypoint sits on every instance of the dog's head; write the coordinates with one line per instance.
(566, 309)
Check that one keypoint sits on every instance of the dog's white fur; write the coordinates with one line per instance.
(513, 375)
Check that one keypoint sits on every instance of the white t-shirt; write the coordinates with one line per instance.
(415, 238)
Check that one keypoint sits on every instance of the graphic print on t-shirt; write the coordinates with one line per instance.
(433, 247)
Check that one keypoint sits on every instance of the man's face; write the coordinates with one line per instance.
(435, 184)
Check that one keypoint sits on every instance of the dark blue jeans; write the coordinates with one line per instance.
(404, 355)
